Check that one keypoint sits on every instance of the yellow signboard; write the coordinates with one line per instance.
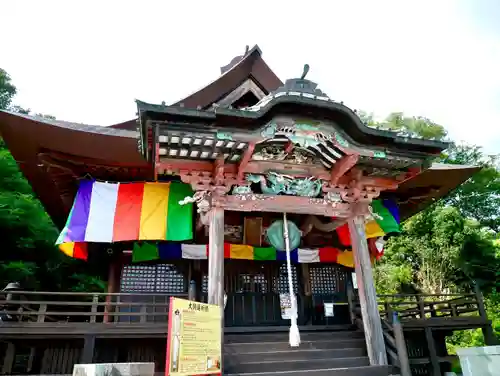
(194, 338)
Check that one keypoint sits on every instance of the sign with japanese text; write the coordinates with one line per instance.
(194, 338)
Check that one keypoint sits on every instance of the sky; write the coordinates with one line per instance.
(87, 61)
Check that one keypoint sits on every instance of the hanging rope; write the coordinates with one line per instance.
(294, 337)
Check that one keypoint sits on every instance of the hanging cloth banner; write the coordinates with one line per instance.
(112, 212)
(147, 251)
(386, 221)
(168, 251)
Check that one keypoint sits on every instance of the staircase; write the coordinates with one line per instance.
(337, 351)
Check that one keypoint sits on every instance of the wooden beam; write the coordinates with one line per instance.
(87, 356)
(367, 295)
(340, 168)
(488, 333)
(8, 358)
(280, 204)
(218, 172)
(68, 158)
(431, 345)
(264, 167)
(156, 152)
(247, 156)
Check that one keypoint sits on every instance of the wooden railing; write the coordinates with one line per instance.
(40, 307)
(424, 313)
(424, 306)
(396, 345)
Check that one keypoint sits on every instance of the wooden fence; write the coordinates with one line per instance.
(415, 327)
(41, 307)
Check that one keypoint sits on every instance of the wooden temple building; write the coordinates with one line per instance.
(231, 159)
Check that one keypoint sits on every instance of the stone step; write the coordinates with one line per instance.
(284, 329)
(283, 337)
(353, 371)
(242, 348)
(296, 354)
(293, 365)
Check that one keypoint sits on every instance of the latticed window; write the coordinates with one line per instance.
(269, 278)
(281, 282)
(324, 279)
(161, 278)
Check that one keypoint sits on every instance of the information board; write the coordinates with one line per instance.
(194, 338)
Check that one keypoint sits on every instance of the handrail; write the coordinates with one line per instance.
(397, 310)
(85, 307)
(66, 293)
(400, 344)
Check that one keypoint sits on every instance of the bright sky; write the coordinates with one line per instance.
(86, 61)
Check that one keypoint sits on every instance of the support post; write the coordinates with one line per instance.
(8, 359)
(399, 337)
(431, 345)
(216, 265)
(87, 356)
(488, 334)
(216, 257)
(113, 286)
(367, 295)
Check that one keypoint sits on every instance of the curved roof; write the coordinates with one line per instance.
(79, 149)
(29, 137)
(430, 185)
(249, 65)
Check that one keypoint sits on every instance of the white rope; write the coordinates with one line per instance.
(294, 337)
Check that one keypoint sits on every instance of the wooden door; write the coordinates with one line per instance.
(252, 290)
(328, 284)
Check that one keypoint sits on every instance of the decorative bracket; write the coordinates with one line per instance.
(247, 156)
(342, 166)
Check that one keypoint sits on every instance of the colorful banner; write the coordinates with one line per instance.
(146, 251)
(112, 212)
(194, 338)
(168, 251)
(386, 221)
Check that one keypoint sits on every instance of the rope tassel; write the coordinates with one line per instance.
(294, 337)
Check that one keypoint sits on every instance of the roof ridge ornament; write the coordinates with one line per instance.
(301, 85)
(235, 60)
(305, 71)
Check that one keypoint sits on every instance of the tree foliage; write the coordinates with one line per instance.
(439, 251)
(479, 197)
(413, 126)
(28, 254)
(7, 90)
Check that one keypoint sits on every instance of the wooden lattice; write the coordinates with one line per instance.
(161, 278)
(325, 279)
(280, 284)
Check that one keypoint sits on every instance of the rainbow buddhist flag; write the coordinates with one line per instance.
(77, 250)
(113, 212)
(386, 221)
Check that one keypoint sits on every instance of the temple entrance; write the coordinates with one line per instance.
(253, 292)
(328, 284)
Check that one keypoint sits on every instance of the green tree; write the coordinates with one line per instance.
(479, 196)
(28, 254)
(410, 125)
(7, 90)
(439, 251)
